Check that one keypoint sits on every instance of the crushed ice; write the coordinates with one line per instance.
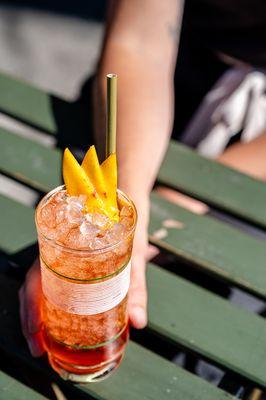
(65, 222)
(86, 228)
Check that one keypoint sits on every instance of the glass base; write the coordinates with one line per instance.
(81, 374)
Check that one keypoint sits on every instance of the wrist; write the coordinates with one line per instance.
(134, 186)
(140, 197)
(141, 201)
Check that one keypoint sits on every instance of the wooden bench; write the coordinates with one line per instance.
(182, 315)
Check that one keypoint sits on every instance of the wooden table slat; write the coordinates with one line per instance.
(11, 389)
(29, 161)
(203, 322)
(212, 245)
(17, 228)
(145, 375)
(23, 101)
(214, 183)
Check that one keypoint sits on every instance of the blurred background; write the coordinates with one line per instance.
(53, 45)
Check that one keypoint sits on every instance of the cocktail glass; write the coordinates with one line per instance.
(84, 307)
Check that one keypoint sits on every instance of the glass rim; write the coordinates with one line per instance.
(100, 250)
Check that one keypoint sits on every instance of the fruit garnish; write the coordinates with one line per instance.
(109, 170)
(77, 182)
(104, 179)
(91, 166)
(97, 182)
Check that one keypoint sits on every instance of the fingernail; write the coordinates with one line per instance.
(138, 317)
(35, 346)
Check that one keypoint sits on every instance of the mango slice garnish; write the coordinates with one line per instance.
(95, 181)
(109, 170)
(77, 182)
(91, 166)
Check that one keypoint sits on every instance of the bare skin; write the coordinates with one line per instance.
(248, 158)
(141, 47)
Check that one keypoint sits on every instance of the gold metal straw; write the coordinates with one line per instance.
(111, 111)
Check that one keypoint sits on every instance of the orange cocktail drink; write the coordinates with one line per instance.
(85, 267)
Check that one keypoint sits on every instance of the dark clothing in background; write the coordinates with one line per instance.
(236, 28)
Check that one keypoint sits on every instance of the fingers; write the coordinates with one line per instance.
(33, 296)
(182, 200)
(137, 300)
(151, 252)
(30, 310)
(137, 296)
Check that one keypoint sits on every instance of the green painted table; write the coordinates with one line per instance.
(183, 315)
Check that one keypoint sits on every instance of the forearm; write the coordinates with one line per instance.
(144, 117)
(143, 54)
(249, 158)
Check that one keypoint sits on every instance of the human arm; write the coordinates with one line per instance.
(141, 47)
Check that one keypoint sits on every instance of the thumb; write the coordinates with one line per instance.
(137, 301)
